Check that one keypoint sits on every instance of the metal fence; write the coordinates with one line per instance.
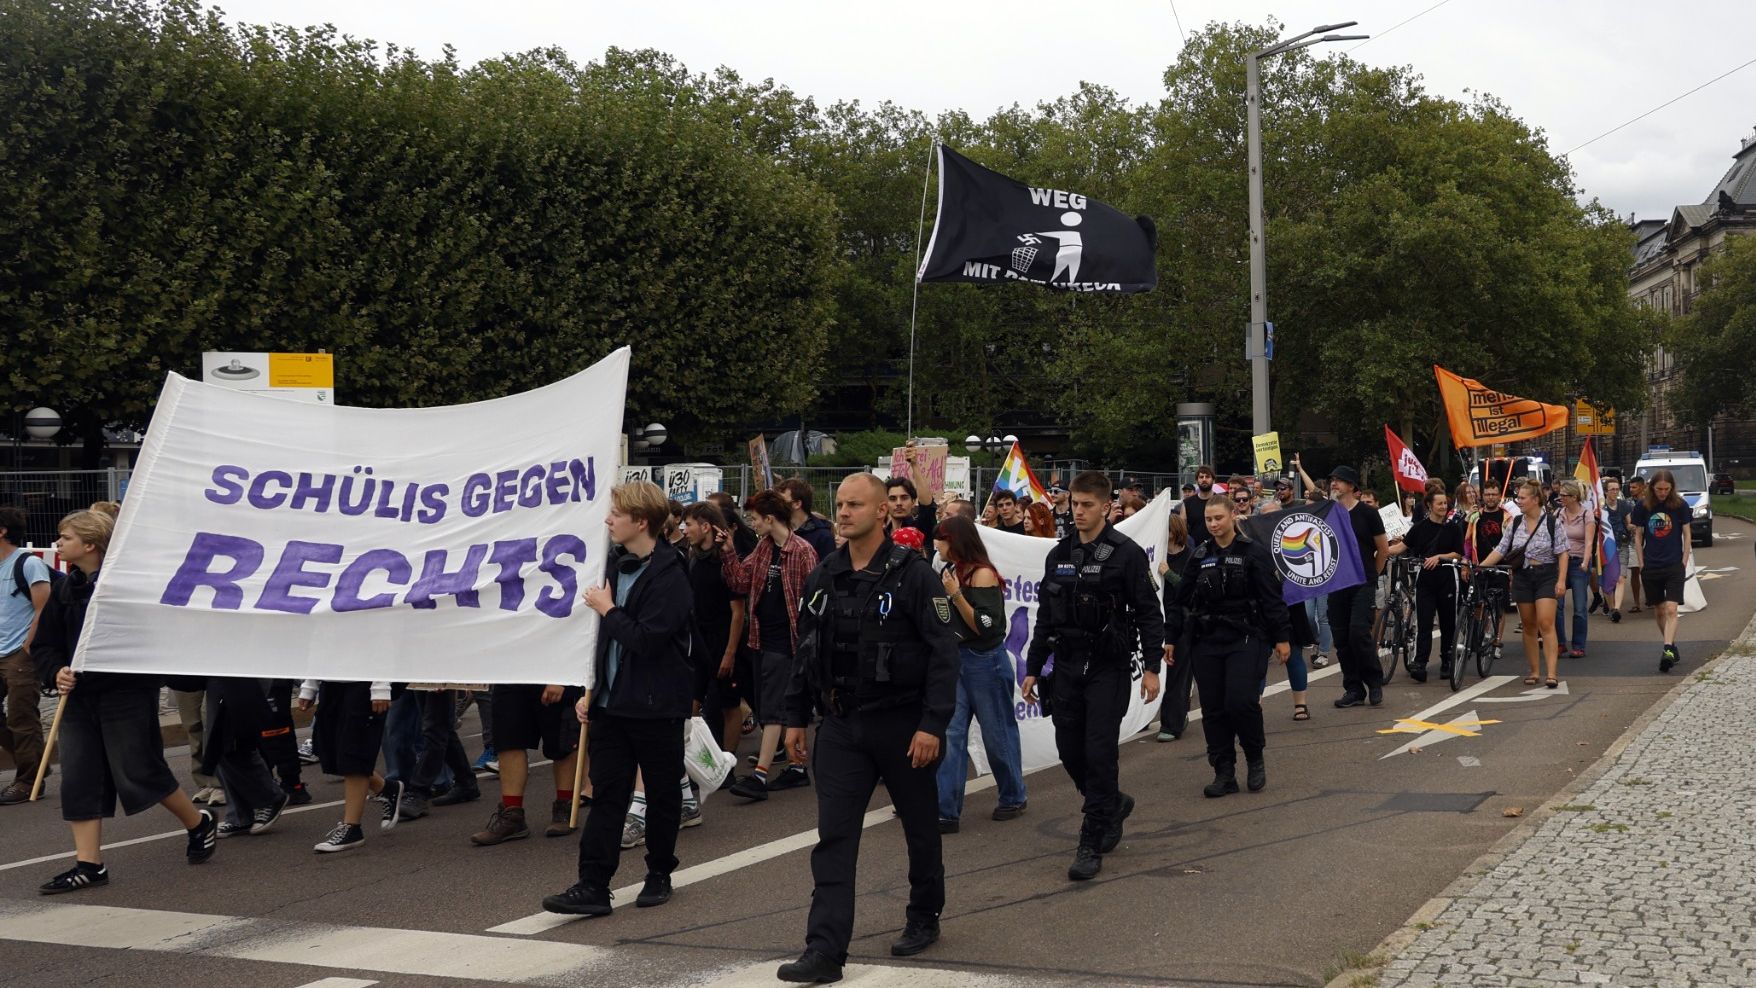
(49, 495)
(739, 481)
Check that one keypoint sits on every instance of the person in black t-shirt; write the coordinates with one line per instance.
(1194, 507)
(1008, 517)
(1350, 610)
(719, 620)
(1433, 539)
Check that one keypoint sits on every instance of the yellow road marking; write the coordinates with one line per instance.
(1457, 727)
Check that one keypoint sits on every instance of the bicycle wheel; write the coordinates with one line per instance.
(1410, 629)
(1387, 657)
(1488, 652)
(1467, 642)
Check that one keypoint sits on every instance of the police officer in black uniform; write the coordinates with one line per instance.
(878, 657)
(1231, 591)
(1096, 604)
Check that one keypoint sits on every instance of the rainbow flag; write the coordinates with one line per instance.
(1016, 476)
(1609, 564)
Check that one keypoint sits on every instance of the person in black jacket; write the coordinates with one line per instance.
(878, 655)
(641, 701)
(111, 748)
(1096, 605)
(1229, 599)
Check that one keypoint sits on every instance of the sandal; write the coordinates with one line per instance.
(1301, 712)
(1551, 683)
(1530, 680)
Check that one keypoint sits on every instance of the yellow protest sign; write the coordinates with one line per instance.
(1267, 448)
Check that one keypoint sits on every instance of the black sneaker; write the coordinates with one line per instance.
(1086, 864)
(264, 817)
(80, 876)
(1004, 813)
(345, 837)
(1668, 659)
(791, 777)
(1113, 836)
(458, 794)
(811, 968)
(949, 826)
(1255, 775)
(656, 891)
(580, 900)
(915, 938)
(1418, 674)
(392, 797)
(229, 829)
(299, 795)
(1375, 695)
(1350, 699)
(203, 838)
(750, 787)
(414, 806)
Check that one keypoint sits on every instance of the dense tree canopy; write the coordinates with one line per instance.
(1713, 344)
(171, 184)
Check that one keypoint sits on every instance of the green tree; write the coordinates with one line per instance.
(1713, 343)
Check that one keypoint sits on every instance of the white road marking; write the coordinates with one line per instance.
(340, 983)
(1427, 740)
(350, 948)
(1539, 693)
(544, 921)
(218, 813)
(1469, 761)
(1462, 696)
(883, 976)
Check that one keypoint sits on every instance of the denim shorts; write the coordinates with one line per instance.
(1533, 583)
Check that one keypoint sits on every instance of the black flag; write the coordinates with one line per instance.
(993, 229)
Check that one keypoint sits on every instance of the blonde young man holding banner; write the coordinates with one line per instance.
(642, 699)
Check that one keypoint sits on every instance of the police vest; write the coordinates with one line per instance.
(1083, 597)
(1223, 593)
(873, 645)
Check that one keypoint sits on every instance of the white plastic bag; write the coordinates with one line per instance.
(703, 758)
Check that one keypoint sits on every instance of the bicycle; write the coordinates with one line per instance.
(1396, 628)
(1481, 609)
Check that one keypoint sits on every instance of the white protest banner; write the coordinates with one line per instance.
(270, 538)
(1020, 560)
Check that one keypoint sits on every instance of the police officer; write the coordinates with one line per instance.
(1096, 603)
(878, 657)
(1232, 592)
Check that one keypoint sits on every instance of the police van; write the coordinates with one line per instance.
(1534, 467)
(1690, 470)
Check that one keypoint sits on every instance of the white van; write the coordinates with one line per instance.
(1522, 466)
(1690, 470)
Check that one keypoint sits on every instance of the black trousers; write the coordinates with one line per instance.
(1229, 672)
(618, 746)
(1350, 620)
(851, 756)
(280, 745)
(1090, 700)
(440, 747)
(1178, 679)
(1440, 598)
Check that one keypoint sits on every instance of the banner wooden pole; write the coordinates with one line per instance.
(36, 789)
(915, 302)
(579, 769)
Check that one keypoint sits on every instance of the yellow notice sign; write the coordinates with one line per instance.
(301, 370)
(1267, 448)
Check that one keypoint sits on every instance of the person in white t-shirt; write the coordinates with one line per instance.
(24, 589)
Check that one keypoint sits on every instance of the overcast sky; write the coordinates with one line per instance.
(1573, 68)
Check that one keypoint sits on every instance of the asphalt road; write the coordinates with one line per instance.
(1254, 889)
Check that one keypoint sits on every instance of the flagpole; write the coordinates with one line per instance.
(915, 302)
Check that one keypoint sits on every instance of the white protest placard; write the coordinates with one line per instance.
(275, 539)
(1020, 560)
(1395, 525)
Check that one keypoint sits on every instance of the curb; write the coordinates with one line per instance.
(1400, 938)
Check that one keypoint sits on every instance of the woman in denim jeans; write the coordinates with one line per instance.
(986, 677)
(1581, 539)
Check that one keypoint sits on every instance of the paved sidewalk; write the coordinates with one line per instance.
(1647, 876)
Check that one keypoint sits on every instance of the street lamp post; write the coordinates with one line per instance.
(1256, 338)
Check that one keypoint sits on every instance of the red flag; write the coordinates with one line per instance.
(1410, 475)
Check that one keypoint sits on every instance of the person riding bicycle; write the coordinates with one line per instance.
(1433, 538)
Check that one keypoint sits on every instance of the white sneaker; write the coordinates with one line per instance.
(1319, 661)
(634, 831)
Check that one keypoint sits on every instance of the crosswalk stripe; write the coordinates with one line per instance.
(349, 948)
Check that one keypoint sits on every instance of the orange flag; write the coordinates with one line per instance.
(1480, 416)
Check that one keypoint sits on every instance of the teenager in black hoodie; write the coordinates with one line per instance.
(111, 749)
(642, 697)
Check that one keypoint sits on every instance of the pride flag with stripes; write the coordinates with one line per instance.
(1016, 476)
(1608, 562)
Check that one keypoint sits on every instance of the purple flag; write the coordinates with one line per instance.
(1314, 548)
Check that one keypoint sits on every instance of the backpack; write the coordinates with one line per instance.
(22, 589)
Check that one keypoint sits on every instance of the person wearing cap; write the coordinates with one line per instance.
(1350, 610)
(1282, 499)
